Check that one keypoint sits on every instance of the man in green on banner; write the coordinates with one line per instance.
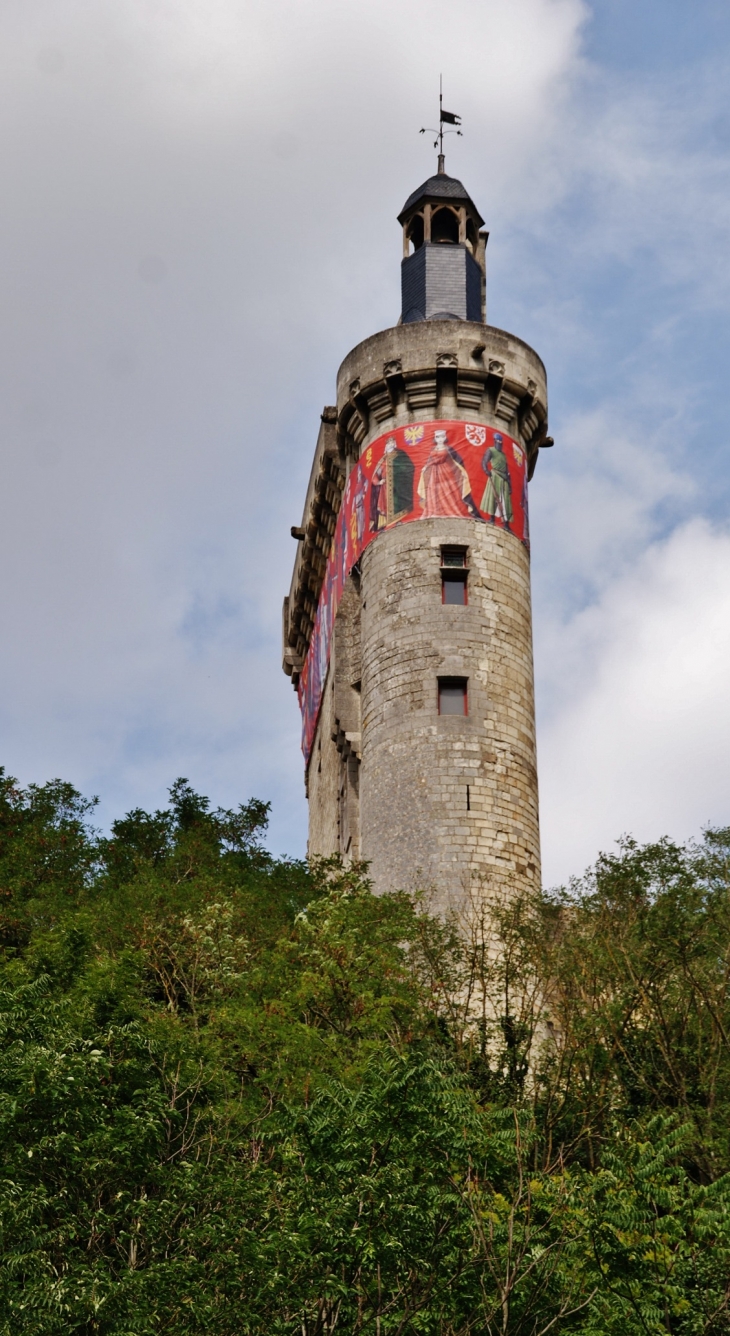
(497, 499)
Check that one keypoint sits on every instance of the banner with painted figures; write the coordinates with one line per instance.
(460, 469)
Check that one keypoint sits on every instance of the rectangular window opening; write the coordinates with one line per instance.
(454, 575)
(453, 556)
(453, 697)
(453, 588)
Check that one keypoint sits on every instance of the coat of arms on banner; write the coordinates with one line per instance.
(518, 454)
(475, 435)
(413, 435)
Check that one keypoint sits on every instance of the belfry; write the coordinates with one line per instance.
(408, 628)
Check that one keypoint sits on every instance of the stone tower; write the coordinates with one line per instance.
(407, 629)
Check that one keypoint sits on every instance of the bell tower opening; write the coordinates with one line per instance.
(415, 232)
(445, 227)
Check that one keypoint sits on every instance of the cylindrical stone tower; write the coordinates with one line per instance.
(407, 630)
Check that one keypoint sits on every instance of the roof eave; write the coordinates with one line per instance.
(441, 201)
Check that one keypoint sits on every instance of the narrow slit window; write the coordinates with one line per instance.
(454, 575)
(453, 698)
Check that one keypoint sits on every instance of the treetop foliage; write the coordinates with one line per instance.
(241, 1094)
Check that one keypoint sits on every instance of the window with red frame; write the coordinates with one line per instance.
(453, 575)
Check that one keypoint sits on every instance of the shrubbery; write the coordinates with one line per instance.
(241, 1095)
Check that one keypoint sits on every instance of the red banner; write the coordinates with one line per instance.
(429, 469)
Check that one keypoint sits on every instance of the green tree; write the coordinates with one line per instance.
(245, 1094)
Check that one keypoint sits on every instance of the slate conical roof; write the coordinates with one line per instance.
(440, 187)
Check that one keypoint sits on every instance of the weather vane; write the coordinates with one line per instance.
(445, 118)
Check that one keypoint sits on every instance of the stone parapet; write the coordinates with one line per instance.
(453, 369)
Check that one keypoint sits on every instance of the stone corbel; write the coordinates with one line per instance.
(354, 743)
(293, 662)
(421, 390)
(347, 744)
(357, 424)
(380, 402)
(470, 391)
(507, 401)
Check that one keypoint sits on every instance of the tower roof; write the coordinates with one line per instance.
(440, 187)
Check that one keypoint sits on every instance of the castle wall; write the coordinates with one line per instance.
(323, 777)
(419, 828)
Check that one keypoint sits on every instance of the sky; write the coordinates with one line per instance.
(198, 223)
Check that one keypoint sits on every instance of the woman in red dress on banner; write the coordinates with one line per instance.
(444, 486)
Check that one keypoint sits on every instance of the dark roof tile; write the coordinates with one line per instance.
(439, 187)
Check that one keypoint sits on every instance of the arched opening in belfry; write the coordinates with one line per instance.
(415, 232)
(445, 227)
(471, 236)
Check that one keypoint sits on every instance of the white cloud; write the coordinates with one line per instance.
(198, 223)
(645, 163)
(641, 744)
(597, 500)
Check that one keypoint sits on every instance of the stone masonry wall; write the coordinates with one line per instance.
(333, 778)
(323, 777)
(418, 827)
